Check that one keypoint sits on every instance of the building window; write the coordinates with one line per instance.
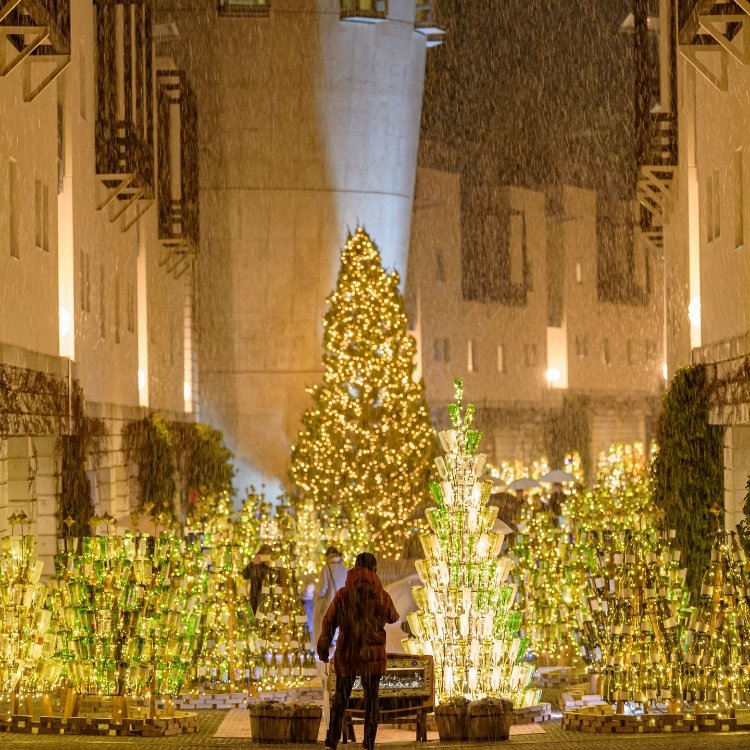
(441, 350)
(15, 213)
(501, 358)
(38, 213)
(713, 206)
(45, 218)
(363, 10)
(650, 351)
(102, 304)
(82, 80)
(631, 352)
(579, 274)
(440, 265)
(131, 308)
(85, 281)
(579, 346)
(607, 353)
(60, 148)
(739, 202)
(117, 308)
(717, 205)
(471, 356)
(243, 7)
(530, 355)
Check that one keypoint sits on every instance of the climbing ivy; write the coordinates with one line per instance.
(148, 447)
(570, 432)
(203, 462)
(80, 448)
(687, 472)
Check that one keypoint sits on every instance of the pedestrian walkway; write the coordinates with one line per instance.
(237, 724)
(552, 737)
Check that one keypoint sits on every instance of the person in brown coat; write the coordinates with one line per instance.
(360, 611)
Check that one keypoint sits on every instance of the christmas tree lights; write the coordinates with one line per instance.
(217, 553)
(465, 618)
(363, 456)
(717, 662)
(28, 664)
(551, 580)
(285, 656)
(632, 632)
(128, 619)
(620, 494)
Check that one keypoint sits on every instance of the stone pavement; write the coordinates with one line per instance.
(553, 738)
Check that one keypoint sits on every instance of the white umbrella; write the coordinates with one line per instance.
(523, 484)
(557, 476)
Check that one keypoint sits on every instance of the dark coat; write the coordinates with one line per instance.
(360, 611)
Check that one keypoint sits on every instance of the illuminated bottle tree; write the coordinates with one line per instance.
(551, 581)
(218, 552)
(285, 657)
(129, 617)
(28, 662)
(364, 454)
(636, 594)
(717, 663)
(620, 494)
(466, 619)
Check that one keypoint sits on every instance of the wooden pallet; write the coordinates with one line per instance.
(603, 720)
(103, 726)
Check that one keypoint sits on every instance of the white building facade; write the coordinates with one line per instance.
(536, 329)
(705, 218)
(98, 231)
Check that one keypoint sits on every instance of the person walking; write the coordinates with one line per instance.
(255, 572)
(359, 612)
(332, 578)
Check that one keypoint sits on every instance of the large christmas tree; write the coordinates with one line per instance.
(466, 619)
(363, 456)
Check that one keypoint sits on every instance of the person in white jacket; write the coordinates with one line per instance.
(332, 578)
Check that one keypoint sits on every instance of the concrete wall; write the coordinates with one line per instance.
(632, 335)
(308, 125)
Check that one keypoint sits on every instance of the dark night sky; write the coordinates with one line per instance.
(532, 92)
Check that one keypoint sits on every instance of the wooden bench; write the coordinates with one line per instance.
(407, 690)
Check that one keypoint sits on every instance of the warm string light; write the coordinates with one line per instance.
(286, 657)
(28, 662)
(551, 579)
(632, 630)
(466, 619)
(127, 619)
(217, 551)
(364, 454)
(717, 663)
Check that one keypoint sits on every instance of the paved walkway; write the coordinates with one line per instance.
(551, 738)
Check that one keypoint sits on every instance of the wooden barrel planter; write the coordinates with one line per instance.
(306, 722)
(452, 721)
(490, 719)
(270, 721)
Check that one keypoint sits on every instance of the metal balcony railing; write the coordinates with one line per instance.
(425, 23)
(38, 32)
(177, 195)
(124, 139)
(244, 8)
(370, 11)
